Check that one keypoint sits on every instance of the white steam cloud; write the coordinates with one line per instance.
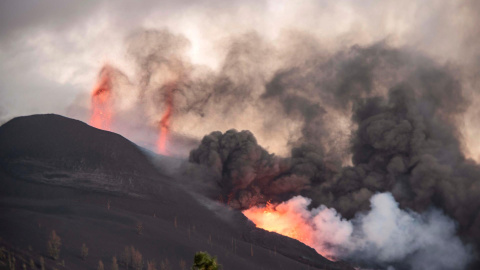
(386, 236)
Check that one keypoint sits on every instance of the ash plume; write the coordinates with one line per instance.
(244, 170)
(342, 100)
(404, 108)
(359, 121)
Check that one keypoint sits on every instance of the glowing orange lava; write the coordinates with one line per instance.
(285, 219)
(278, 219)
(101, 114)
(165, 121)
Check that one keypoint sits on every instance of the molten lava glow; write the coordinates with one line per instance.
(101, 114)
(280, 220)
(165, 121)
(288, 219)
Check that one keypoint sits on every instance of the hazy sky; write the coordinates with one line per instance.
(51, 50)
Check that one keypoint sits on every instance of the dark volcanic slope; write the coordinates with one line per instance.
(51, 148)
(94, 187)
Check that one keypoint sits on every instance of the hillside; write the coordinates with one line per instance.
(96, 187)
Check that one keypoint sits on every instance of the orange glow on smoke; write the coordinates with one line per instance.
(101, 114)
(165, 121)
(283, 220)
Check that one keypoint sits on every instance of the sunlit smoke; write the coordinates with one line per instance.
(101, 107)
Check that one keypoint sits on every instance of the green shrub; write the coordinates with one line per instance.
(203, 261)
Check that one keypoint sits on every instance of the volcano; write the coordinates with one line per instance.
(95, 187)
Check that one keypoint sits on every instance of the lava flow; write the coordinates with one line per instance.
(280, 219)
(284, 219)
(101, 115)
(164, 124)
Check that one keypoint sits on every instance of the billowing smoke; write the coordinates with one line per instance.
(358, 121)
(385, 236)
(365, 120)
(349, 99)
(246, 173)
(404, 110)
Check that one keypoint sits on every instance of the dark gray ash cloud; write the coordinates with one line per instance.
(406, 140)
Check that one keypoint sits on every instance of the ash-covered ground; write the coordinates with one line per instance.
(96, 188)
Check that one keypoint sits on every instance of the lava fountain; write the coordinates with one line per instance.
(164, 124)
(101, 114)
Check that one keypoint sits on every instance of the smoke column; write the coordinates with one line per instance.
(404, 110)
(393, 113)
(165, 121)
(101, 107)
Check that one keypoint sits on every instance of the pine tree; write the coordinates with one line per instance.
(151, 265)
(114, 263)
(100, 265)
(42, 263)
(84, 251)
(53, 245)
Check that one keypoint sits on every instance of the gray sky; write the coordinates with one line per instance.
(51, 50)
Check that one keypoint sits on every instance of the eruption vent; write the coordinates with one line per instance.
(283, 220)
(101, 100)
(165, 121)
